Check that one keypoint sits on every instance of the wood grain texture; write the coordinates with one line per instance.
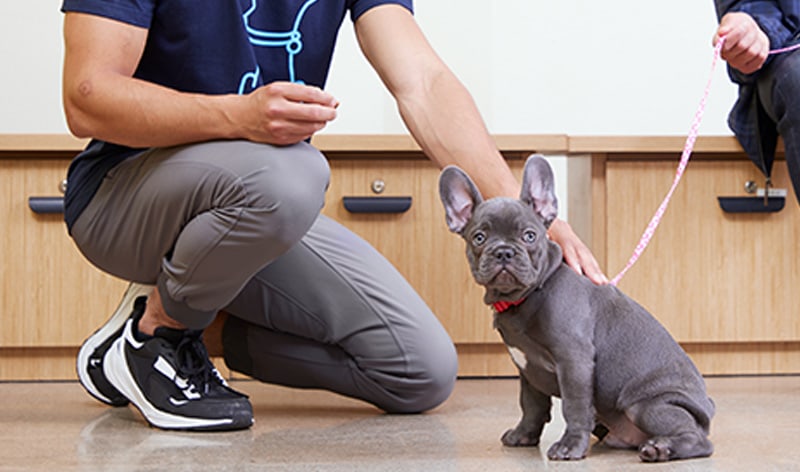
(636, 145)
(709, 276)
(385, 143)
(51, 296)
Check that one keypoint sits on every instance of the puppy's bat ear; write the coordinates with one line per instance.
(459, 195)
(538, 188)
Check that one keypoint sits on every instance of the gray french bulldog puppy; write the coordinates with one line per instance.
(616, 369)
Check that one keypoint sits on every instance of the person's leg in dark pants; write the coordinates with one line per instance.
(779, 91)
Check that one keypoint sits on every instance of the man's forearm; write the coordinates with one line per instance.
(447, 125)
(135, 113)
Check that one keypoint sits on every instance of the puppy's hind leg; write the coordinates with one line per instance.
(677, 431)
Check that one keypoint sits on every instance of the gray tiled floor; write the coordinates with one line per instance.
(56, 426)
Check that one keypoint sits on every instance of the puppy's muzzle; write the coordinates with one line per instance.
(504, 255)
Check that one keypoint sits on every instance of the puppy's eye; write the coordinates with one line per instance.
(478, 238)
(529, 237)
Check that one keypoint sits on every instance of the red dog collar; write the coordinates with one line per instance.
(503, 306)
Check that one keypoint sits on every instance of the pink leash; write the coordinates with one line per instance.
(687, 152)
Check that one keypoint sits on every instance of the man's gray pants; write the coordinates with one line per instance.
(236, 226)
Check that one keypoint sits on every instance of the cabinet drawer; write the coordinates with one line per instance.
(51, 296)
(709, 276)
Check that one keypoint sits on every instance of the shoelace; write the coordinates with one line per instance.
(193, 362)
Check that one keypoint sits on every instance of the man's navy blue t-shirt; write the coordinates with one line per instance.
(215, 47)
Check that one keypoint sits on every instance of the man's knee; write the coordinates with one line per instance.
(430, 381)
(441, 375)
(281, 199)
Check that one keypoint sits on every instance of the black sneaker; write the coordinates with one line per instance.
(171, 380)
(89, 364)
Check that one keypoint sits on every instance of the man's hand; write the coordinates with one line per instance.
(576, 254)
(746, 46)
(286, 113)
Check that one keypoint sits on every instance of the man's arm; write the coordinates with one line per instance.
(103, 100)
(443, 118)
(435, 106)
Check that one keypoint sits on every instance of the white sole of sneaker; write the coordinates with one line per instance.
(116, 369)
(97, 338)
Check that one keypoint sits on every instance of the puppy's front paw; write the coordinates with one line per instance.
(518, 437)
(569, 448)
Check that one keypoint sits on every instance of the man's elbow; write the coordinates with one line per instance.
(77, 95)
(77, 124)
(78, 120)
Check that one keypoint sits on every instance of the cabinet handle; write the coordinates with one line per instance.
(377, 204)
(751, 204)
(44, 205)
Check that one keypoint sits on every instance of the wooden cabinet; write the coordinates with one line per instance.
(722, 283)
(52, 298)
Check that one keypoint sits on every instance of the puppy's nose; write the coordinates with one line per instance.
(504, 254)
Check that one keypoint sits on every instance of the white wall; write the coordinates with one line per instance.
(534, 66)
(559, 66)
(30, 67)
